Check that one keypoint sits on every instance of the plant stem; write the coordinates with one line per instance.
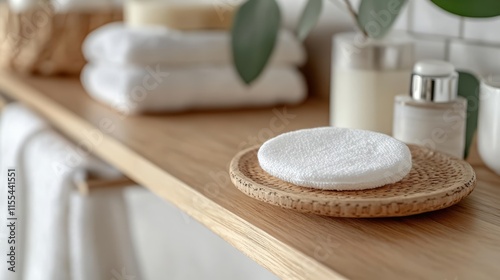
(355, 17)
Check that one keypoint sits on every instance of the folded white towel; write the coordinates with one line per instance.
(122, 45)
(163, 89)
(335, 158)
(58, 239)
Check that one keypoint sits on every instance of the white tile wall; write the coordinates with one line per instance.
(469, 43)
(430, 48)
(473, 44)
(332, 15)
(402, 22)
(486, 30)
(482, 60)
(429, 19)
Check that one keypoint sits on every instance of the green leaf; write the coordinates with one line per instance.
(254, 33)
(377, 16)
(309, 18)
(470, 8)
(468, 88)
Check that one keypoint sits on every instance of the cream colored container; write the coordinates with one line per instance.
(366, 76)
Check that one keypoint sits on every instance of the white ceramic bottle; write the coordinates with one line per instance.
(432, 115)
(366, 76)
(488, 126)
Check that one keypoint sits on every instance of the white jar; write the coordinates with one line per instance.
(488, 128)
(366, 76)
(432, 115)
(438, 126)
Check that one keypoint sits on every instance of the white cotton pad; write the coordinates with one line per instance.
(333, 158)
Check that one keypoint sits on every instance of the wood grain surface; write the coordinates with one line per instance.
(184, 158)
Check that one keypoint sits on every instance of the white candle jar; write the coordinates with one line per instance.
(366, 76)
(488, 128)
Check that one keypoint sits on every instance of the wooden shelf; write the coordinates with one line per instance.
(184, 159)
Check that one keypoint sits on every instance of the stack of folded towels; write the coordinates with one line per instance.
(137, 69)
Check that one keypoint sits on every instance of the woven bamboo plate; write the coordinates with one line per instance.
(436, 181)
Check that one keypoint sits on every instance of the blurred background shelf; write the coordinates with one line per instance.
(184, 158)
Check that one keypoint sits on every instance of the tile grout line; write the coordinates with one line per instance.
(409, 19)
(461, 28)
(447, 49)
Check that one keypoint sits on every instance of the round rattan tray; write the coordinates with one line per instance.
(436, 181)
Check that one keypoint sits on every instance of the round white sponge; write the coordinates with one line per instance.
(333, 158)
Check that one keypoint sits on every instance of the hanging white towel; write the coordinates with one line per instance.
(190, 251)
(151, 45)
(61, 235)
(162, 89)
(99, 228)
(17, 125)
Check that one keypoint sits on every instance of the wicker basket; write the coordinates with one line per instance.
(47, 43)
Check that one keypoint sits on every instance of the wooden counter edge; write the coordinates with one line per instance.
(280, 258)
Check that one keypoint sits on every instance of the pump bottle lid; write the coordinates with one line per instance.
(434, 81)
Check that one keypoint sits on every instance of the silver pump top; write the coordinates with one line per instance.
(434, 81)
